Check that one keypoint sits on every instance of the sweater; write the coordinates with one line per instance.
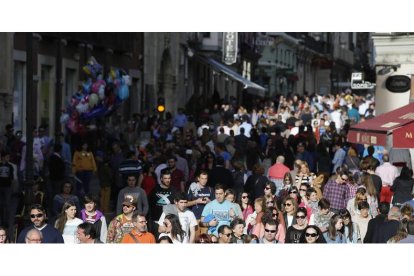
(50, 234)
(83, 161)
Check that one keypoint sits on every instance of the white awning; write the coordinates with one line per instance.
(249, 86)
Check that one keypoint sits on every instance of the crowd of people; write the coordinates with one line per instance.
(280, 172)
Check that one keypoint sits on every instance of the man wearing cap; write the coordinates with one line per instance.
(136, 192)
(122, 224)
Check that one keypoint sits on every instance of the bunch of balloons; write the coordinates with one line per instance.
(96, 97)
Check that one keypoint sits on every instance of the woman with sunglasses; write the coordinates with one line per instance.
(312, 234)
(289, 209)
(67, 222)
(334, 234)
(270, 188)
(351, 229)
(245, 205)
(284, 192)
(295, 231)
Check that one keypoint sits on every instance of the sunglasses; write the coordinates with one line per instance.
(269, 202)
(293, 192)
(227, 235)
(300, 217)
(288, 204)
(274, 215)
(271, 231)
(244, 197)
(36, 216)
(311, 235)
(267, 188)
(126, 205)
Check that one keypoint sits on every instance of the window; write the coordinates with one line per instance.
(44, 101)
(19, 95)
(70, 86)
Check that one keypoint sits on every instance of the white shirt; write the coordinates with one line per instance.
(187, 220)
(387, 172)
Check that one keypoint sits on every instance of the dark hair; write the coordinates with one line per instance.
(384, 208)
(237, 221)
(324, 203)
(221, 228)
(272, 186)
(203, 237)
(165, 171)
(318, 231)
(165, 238)
(39, 207)
(88, 229)
(204, 172)
(332, 231)
(180, 196)
(309, 191)
(405, 173)
(344, 213)
(410, 227)
(303, 210)
(88, 198)
(172, 157)
(219, 186)
(176, 230)
(363, 205)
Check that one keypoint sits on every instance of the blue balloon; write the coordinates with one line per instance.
(123, 92)
(97, 112)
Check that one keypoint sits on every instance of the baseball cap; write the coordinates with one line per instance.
(129, 200)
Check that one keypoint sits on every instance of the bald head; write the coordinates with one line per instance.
(280, 159)
(394, 213)
(34, 236)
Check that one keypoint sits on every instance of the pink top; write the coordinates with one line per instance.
(278, 171)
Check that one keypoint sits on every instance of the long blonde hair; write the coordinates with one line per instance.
(369, 184)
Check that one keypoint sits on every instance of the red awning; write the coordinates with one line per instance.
(399, 123)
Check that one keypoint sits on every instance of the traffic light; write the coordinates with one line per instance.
(161, 105)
